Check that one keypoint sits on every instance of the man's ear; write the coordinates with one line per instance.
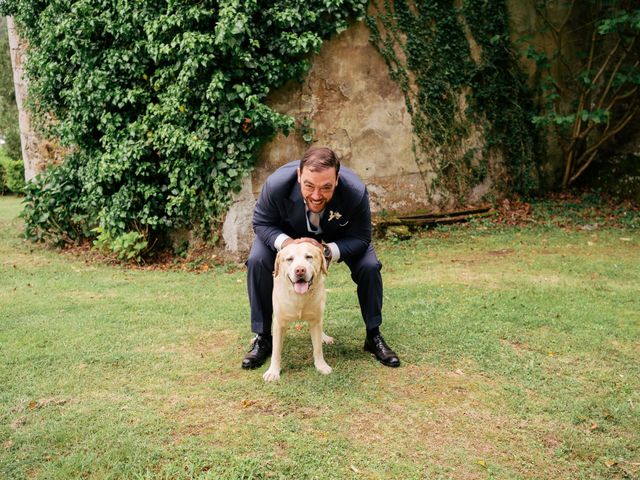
(277, 265)
(299, 173)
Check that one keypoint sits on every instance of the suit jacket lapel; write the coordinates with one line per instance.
(295, 207)
(328, 224)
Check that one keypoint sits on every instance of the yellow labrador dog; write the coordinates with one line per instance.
(298, 294)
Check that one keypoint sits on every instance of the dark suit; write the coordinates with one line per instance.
(346, 222)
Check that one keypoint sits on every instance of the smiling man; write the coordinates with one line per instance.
(315, 200)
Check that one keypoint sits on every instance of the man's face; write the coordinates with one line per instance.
(317, 187)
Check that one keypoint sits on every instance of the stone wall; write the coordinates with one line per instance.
(357, 110)
(352, 105)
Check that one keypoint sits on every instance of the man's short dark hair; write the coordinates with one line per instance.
(320, 158)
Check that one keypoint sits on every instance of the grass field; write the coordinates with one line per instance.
(520, 349)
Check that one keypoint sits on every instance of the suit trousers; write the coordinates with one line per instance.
(365, 272)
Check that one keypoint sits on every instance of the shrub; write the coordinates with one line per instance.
(11, 174)
(161, 102)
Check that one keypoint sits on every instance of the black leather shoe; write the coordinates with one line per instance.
(260, 351)
(381, 350)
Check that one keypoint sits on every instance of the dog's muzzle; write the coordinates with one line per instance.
(301, 285)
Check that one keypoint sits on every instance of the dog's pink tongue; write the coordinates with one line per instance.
(301, 287)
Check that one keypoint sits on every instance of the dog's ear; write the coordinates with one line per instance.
(277, 265)
(323, 264)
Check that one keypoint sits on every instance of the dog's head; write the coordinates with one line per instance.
(301, 264)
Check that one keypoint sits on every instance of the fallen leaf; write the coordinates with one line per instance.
(482, 463)
(32, 405)
(353, 467)
(610, 463)
(247, 403)
(594, 426)
(625, 239)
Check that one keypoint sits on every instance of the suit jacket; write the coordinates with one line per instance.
(346, 221)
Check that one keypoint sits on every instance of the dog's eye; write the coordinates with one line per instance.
(289, 259)
(308, 256)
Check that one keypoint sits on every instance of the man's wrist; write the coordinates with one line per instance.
(335, 251)
(280, 240)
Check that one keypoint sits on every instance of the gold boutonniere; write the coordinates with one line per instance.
(334, 215)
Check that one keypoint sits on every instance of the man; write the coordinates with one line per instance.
(314, 200)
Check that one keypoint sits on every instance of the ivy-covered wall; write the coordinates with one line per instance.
(430, 121)
(160, 105)
(166, 106)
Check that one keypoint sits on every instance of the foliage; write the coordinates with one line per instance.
(428, 53)
(128, 246)
(9, 130)
(55, 210)
(590, 96)
(162, 104)
(11, 173)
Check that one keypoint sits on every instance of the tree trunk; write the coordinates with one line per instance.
(28, 138)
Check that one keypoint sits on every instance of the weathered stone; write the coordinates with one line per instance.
(237, 232)
(356, 109)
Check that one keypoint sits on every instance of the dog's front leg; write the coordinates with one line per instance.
(316, 340)
(273, 373)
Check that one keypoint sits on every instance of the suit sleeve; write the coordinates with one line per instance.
(266, 217)
(357, 234)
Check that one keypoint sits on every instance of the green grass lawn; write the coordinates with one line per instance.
(520, 350)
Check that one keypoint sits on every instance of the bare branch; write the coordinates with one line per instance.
(606, 61)
(622, 97)
(593, 150)
(584, 166)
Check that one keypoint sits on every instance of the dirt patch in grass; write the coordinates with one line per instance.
(201, 344)
(518, 346)
(456, 423)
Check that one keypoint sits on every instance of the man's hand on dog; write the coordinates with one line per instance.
(310, 240)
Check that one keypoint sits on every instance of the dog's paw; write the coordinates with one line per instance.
(271, 375)
(323, 368)
(327, 340)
